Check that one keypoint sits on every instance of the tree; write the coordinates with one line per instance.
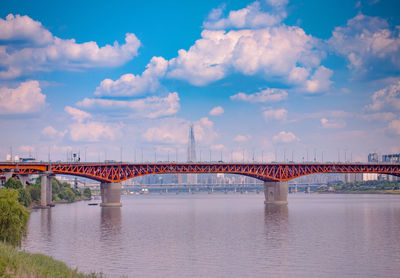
(24, 197)
(67, 194)
(13, 184)
(87, 193)
(13, 217)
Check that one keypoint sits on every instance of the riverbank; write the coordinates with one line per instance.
(36, 205)
(15, 263)
(361, 192)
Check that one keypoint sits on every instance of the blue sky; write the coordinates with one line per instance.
(270, 77)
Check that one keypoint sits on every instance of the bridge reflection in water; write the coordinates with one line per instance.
(274, 175)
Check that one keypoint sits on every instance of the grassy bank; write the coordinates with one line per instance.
(14, 263)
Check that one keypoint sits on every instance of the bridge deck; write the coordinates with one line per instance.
(117, 172)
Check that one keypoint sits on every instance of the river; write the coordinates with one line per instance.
(225, 235)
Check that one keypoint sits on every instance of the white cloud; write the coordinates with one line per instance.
(250, 17)
(278, 114)
(25, 99)
(94, 131)
(133, 85)
(282, 52)
(285, 137)
(332, 124)
(241, 138)
(319, 81)
(394, 127)
(216, 111)
(267, 95)
(175, 131)
(28, 47)
(23, 28)
(50, 132)
(77, 115)
(386, 99)
(150, 107)
(368, 44)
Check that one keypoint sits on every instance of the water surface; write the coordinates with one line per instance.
(225, 235)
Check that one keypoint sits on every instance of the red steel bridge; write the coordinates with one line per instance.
(117, 172)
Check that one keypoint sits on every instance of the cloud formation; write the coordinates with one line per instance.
(387, 99)
(217, 111)
(251, 17)
(368, 45)
(285, 137)
(50, 132)
(134, 85)
(282, 52)
(277, 114)
(25, 99)
(175, 131)
(28, 47)
(150, 107)
(332, 124)
(267, 95)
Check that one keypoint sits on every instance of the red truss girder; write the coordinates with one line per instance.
(117, 172)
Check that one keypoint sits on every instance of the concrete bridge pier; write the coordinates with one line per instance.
(24, 179)
(46, 190)
(110, 194)
(8, 174)
(276, 192)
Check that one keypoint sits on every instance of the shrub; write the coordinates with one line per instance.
(13, 217)
(13, 184)
(24, 197)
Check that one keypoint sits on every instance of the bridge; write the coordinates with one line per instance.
(110, 175)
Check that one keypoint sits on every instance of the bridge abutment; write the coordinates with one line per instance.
(276, 192)
(110, 194)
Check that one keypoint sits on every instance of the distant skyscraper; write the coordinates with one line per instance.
(191, 151)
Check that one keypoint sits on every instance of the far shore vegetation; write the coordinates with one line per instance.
(62, 192)
(365, 187)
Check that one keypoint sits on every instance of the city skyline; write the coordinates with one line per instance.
(274, 80)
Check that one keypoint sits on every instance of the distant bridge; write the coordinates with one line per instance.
(274, 175)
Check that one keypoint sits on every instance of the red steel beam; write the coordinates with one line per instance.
(117, 172)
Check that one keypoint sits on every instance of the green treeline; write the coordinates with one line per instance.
(368, 187)
(62, 191)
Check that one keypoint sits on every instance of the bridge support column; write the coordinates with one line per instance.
(46, 191)
(110, 194)
(8, 174)
(24, 179)
(49, 190)
(276, 192)
(43, 192)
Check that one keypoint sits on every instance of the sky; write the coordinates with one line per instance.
(268, 80)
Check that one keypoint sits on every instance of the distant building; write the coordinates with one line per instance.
(373, 157)
(191, 155)
(369, 177)
(391, 158)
